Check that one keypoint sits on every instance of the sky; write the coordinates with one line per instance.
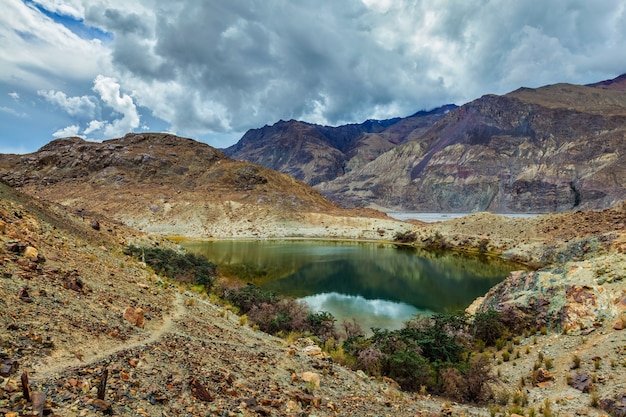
(211, 70)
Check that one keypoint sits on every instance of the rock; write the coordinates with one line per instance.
(581, 381)
(541, 375)
(95, 225)
(619, 325)
(311, 377)
(313, 351)
(102, 405)
(24, 296)
(8, 367)
(31, 253)
(134, 316)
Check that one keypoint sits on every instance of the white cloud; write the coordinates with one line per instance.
(14, 95)
(12, 112)
(67, 131)
(109, 90)
(38, 53)
(93, 126)
(72, 8)
(74, 106)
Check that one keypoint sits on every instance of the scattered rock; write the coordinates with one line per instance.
(134, 316)
(541, 375)
(582, 382)
(8, 367)
(200, 392)
(31, 253)
(23, 295)
(312, 377)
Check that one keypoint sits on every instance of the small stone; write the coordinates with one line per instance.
(101, 405)
(134, 316)
(312, 377)
(31, 253)
(23, 295)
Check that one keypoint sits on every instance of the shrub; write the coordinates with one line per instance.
(351, 329)
(405, 237)
(183, 267)
(249, 296)
(322, 325)
(285, 316)
(488, 326)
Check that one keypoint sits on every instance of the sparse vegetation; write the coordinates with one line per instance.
(405, 237)
(187, 268)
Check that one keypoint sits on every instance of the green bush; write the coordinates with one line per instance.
(183, 267)
(249, 296)
(488, 327)
(415, 355)
(405, 237)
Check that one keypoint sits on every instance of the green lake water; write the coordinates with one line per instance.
(380, 285)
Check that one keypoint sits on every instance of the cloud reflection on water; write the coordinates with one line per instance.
(368, 313)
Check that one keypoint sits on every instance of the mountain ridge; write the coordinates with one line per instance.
(169, 185)
(553, 148)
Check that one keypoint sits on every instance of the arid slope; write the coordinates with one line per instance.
(176, 186)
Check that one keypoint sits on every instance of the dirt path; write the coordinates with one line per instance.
(59, 364)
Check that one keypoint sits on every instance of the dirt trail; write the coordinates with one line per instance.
(59, 364)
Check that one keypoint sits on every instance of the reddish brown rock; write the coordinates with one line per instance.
(134, 316)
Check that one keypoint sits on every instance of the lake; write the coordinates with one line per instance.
(380, 285)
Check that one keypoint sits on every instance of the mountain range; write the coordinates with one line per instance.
(553, 148)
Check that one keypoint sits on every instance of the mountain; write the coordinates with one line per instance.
(554, 148)
(314, 153)
(166, 184)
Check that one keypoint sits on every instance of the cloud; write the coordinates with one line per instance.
(215, 69)
(14, 95)
(109, 90)
(94, 126)
(72, 130)
(74, 106)
(12, 112)
(218, 67)
(72, 8)
(41, 54)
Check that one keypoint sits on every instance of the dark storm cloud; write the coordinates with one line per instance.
(206, 68)
(248, 63)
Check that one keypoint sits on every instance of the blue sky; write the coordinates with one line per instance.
(212, 70)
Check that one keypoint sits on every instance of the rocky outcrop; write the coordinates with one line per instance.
(575, 297)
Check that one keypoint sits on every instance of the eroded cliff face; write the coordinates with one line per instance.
(555, 148)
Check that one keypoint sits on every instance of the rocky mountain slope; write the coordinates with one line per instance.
(314, 154)
(176, 186)
(554, 148)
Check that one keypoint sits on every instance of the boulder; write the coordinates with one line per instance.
(581, 381)
(134, 316)
(31, 253)
(311, 377)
